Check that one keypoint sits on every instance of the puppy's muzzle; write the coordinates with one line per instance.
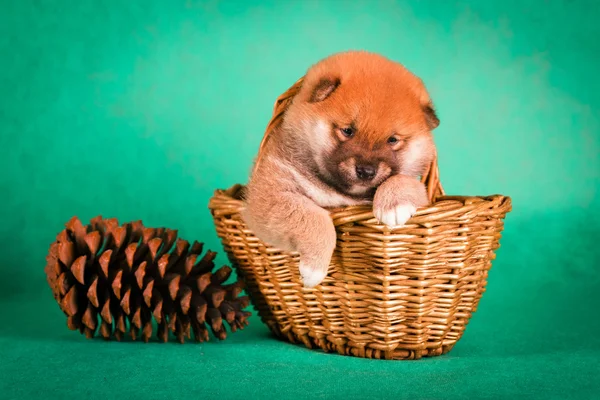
(366, 172)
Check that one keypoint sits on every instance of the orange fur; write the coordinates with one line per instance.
(335, 148)
(385, 96)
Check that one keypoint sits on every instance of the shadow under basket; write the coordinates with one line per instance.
(402, 293)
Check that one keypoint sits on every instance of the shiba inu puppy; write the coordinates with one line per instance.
(357, 132)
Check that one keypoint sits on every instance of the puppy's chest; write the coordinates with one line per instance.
(310, 186)
(322, 194)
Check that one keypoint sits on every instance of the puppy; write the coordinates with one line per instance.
(357, 132)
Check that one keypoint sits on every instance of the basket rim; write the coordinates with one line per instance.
(442, 208)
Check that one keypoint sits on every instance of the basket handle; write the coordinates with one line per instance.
(431, 178)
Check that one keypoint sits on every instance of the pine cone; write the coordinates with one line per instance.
(110, 276)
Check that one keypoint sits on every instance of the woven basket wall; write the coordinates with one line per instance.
(405, 293)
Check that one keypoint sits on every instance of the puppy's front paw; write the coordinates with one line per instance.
(312, 274)
(396, 215)
(397, 200)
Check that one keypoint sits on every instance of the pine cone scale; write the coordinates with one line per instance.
(116, 284)
(69, 302)
(66, 252)
(78, 268)
(140, 274)
(92, 293)
(185, 298)
(104, 262)
(125, 305)
(148, 292)
(90, 319)
(202, 281)
(130, 254)
(93, 241)
(105, 313)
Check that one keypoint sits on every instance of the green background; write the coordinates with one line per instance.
(140, 109)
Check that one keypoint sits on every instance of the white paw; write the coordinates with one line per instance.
(311, 276)
(397, 216)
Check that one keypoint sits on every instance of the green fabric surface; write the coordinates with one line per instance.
(141, 109)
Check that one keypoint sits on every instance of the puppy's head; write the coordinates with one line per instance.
(359, 118)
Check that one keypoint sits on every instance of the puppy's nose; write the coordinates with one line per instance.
(365, 172)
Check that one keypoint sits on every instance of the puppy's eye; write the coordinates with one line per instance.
(394, 140)
(347, 132)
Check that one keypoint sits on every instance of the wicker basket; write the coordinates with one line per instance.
(405, 293)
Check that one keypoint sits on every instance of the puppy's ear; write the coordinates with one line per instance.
(427, 106)
(323, 89)
(431, 117)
